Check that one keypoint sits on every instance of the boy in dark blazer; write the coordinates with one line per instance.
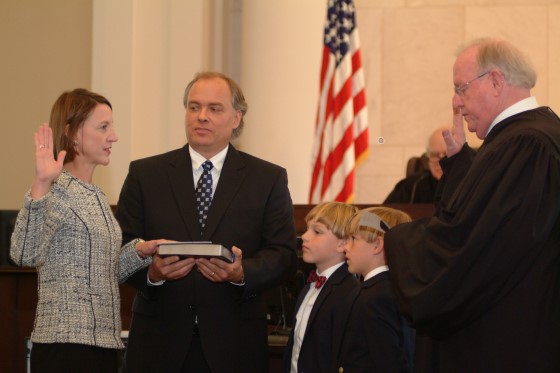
(323, 305)
(377, 338)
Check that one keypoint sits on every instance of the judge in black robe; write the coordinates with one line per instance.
(482, 277)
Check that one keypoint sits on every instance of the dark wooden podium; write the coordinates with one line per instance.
(18, 300)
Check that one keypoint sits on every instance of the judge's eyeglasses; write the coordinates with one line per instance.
(460, 90)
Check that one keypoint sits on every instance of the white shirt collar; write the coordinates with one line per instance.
(528, 103)
(375, 272)
(329, 271)
(218, 160)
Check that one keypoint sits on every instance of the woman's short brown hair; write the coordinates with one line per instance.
(68, 114)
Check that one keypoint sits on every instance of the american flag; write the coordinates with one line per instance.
(341, 131)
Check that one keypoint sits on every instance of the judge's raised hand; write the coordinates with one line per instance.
(47, 169)
(455, 138)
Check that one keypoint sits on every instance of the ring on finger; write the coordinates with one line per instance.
(212, 274)
(41, 146)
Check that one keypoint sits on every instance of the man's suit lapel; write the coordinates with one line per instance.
(182, 184)
(231, 178)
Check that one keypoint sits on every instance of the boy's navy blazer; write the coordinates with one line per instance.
(375, 349)
(325, 327)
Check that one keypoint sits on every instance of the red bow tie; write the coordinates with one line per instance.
(318, 280)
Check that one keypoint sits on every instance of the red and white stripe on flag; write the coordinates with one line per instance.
(341, 131)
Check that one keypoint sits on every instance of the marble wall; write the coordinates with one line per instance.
(408, 51)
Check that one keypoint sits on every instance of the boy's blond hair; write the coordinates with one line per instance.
(391, 217)
(334, 215)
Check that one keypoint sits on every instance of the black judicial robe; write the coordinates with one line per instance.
(482, 277)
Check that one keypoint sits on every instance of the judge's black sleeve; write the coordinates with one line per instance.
(486, 269)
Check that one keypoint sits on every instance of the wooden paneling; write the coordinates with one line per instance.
(18, 301)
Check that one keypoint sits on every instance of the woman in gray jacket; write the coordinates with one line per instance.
(66, 230)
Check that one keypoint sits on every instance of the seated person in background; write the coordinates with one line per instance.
(323, 305)
(421, 186)
(377, 337)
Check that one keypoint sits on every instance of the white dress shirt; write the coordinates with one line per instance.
(375, 272)
(302, 316)
(526, 104)
(217, 161)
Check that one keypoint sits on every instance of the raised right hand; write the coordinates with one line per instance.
(47, 169)
(455, 138)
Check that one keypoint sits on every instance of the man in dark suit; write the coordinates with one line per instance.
(200, 315)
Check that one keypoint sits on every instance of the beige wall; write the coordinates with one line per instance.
(408, 51)
(141, 54)
(144, 54)
(45, 49)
